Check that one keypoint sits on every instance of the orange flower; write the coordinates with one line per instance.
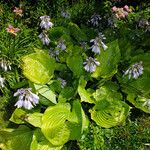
(18, 11)
(12, 30)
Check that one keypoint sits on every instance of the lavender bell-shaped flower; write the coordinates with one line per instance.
(61, 45)
(97, 43)
(135, 70)
(45, 22)
(26, 98)
(44, 38)
(91, 64)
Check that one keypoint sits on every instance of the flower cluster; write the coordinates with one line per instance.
(122, 12)
(135, 70)
(5, 64)
(97, 43)
(95, 19)
(12, 30)
(45, 24)
(2, 80)
(90, 64)
(26, 99)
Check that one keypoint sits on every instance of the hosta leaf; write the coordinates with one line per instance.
(136, 100)
(35, 119)
(75, 121)
(18, 116)
(109, 60)
(76, 32)
(109, 90)
(75, 64)
(21, 116)
(46, 92)
(109, 113)
(53, 124)
(17, 139)
(84, 94)
(38, 67)
(39, 142)
(66, 94)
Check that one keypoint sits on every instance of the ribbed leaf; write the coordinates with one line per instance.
(108, 114)
(109, 110)
(39, 142)
(108, 61)
(38, 67)
(54, 127)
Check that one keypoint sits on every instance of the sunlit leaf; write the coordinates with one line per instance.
(53, 124)
(17, 139)
(38, 67)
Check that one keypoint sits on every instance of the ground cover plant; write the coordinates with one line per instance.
(74, 75)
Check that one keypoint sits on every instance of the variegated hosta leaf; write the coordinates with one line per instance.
(108, 113)
(54, 127)
(109, 60)
(38, 67)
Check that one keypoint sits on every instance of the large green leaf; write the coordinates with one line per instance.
(54, 127)
(109, 60)
(38, 67)
(75, 64)
(46, 92)
(16, 139)
(108, 113)
(109, 110)
(109, 90)
(39, 142)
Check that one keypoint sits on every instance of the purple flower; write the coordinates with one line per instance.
(45, 22)
(26, 98)
(91, 64)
